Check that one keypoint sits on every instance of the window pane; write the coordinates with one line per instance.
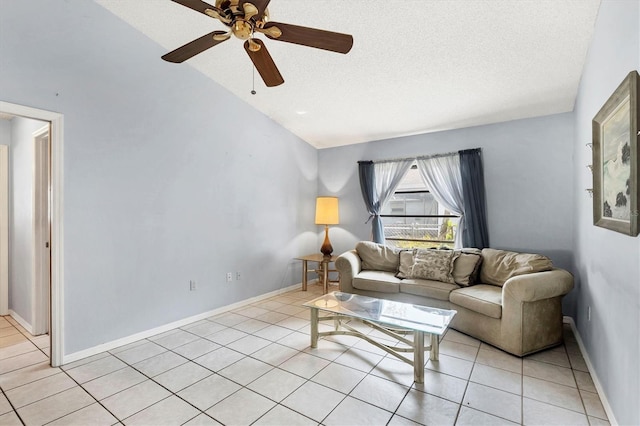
(418, 203)
(417, 231)
(420, 232)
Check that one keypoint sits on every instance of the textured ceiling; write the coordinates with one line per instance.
(416, 66)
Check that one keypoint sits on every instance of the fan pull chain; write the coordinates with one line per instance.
(253, 80)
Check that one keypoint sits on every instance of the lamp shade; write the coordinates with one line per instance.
(327, 211)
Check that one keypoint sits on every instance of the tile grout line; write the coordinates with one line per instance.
(12, 406)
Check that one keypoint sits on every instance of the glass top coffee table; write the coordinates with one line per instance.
(395, 319)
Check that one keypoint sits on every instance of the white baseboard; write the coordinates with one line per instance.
(21, 321)
(66, 359)
(594, 376)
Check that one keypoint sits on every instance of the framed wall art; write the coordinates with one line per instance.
(615, 160)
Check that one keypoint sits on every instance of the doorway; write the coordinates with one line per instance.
(47, 235)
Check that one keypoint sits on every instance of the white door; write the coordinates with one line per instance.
(41, 233)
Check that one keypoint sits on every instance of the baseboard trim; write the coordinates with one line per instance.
(594, 376)
(75, 356)
(21, 321)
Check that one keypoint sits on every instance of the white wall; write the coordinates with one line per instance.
(528, 179)
(167, 176)
(608, 263)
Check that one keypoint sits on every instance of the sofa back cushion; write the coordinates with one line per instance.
(500, 265)
(436, 265)
(378, 257)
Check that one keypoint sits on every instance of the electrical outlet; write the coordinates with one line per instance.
(588, 313)
(229, 277)
(192, 285)
(238, 276)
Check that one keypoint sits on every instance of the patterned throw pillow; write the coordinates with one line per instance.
(436, 265)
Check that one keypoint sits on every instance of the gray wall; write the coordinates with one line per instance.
(167, 176)
(5, 132)
(528, 179)
(608, 263)
(21, 158)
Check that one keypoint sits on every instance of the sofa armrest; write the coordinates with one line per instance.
(538, 286)
(349, 265)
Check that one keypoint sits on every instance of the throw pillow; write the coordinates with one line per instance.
(500, 265)
(406, 263)
(436, 265)
(466, 267)
(378, 257)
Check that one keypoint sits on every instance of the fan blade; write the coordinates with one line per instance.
(264, 63)
(197, 5)
(191, 49)
(305, 36)
(261, 5)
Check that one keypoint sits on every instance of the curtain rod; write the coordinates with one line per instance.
(388, 160)
(445, 154)
(392, 160)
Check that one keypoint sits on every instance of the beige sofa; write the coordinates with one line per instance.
(509, 300)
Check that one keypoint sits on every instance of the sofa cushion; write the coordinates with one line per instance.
(384, 282)
(466, 267)
(406, 263)
(500, 265)
(427, 288)
(434, 265)
(482, 298)
(378, 257)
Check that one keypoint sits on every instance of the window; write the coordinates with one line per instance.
(414, 219)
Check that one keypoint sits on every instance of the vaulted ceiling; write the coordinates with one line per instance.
(416, 66)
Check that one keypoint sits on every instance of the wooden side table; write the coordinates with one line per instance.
(322, 269)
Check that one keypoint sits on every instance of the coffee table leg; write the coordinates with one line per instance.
(435, 347)
(304, 275)
(418, 356)
(314, 327)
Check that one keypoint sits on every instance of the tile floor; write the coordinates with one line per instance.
(253, 365)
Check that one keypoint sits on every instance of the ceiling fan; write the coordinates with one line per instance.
(245, 18)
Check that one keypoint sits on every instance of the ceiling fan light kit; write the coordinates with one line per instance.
(246, 17)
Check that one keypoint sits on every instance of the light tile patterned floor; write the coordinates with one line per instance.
(254, 366)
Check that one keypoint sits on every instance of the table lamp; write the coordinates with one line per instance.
(327, 214)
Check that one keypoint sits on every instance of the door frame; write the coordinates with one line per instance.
(4, 230)
(56, 141)
(40, 305)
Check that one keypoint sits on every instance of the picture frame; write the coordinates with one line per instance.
(615, 159)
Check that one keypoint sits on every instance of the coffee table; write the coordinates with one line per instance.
(395, 319)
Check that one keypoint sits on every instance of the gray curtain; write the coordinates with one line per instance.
(441, 173)
(378, 182)
(476, 232)
(368, 188)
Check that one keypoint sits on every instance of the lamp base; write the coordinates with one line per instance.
(326, 248)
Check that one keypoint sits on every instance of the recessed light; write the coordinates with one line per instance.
(301, 112)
